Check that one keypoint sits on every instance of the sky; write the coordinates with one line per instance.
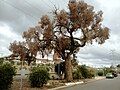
(17, 16)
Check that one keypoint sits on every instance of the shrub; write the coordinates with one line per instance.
(1, 61)
(38, 76)
(7, 71)
(100, 73)
(77, 75)
(91, 72)
(12, 62)
(86, 72)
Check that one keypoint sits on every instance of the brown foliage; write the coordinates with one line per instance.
(59, 34)
(20, 49)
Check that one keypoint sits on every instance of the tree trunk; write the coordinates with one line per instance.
(68, 70)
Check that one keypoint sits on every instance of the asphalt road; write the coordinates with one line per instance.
(105, 84)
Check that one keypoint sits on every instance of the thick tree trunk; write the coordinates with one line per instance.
(68, 70)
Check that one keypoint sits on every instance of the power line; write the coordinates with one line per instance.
(52, 3)
(32, 5)
(20, 10)
(35, 6)
(47, 4)
(55, 6)
(64, 2)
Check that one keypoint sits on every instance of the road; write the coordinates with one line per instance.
(105, 84)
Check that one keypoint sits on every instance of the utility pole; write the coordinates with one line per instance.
(113, 57)
(21, 81)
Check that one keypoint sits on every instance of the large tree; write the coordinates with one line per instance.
(59, 34)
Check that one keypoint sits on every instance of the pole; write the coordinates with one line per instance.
(21, 76)
(113, 56)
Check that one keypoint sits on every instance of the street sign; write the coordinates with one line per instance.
(22, 72)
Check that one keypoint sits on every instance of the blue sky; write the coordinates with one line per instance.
(17, 16)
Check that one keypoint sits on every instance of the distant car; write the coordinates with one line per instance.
(109, 75)
(114, 74)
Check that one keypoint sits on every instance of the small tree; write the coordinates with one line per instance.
(38, 76)
(21, 49)
(118, 66)
(7, 71)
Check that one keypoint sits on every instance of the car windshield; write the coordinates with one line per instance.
(109, 74)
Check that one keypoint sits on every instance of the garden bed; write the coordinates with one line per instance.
(26, 85)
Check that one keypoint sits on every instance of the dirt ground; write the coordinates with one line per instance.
(26, 86)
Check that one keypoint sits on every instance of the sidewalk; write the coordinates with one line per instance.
(76, 83)
(96, 78)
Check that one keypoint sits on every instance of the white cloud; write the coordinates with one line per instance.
(110, 4)
(7, 35)
(7, 32)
